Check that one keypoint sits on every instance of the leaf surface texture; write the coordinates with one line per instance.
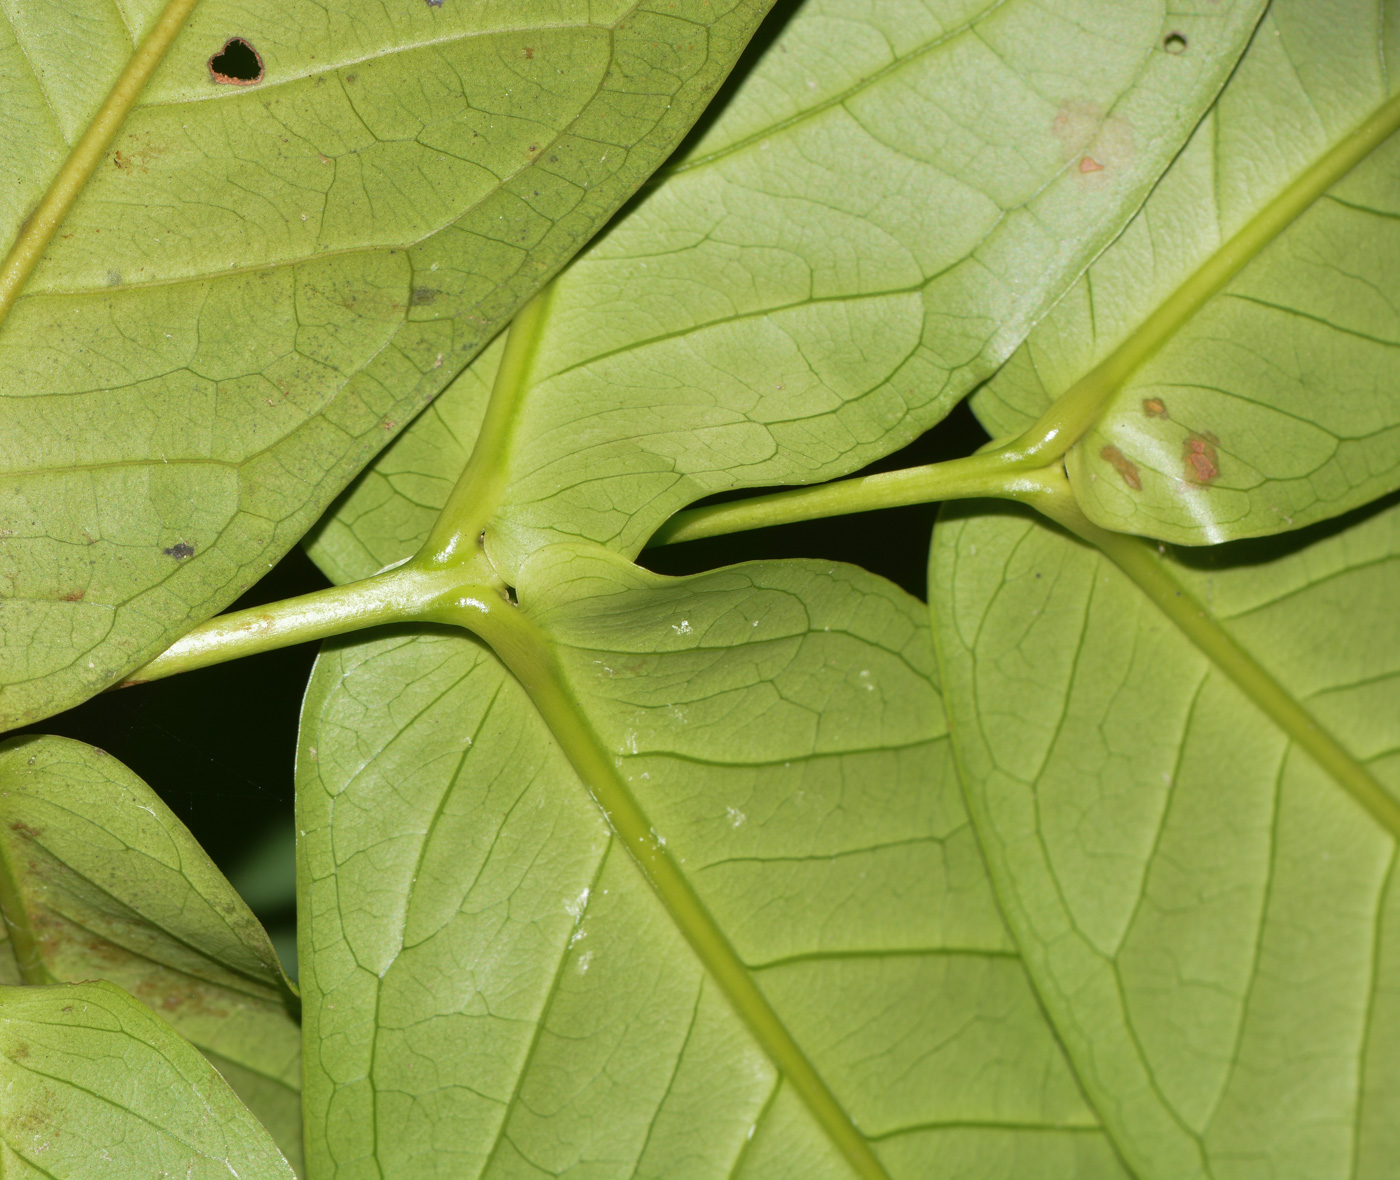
(837, 260)
(1212, 924)
(1273, 402)
(98, 879)
(260, 284)
(97, 1087)
(537, 1010)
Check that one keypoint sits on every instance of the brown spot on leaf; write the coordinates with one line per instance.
(25, 830)
(73, 596)
(1155, 407)
(179, 551)
(236, 64)
(529, 52)
(1123, 465)
(1089, 164)
(1200, 457)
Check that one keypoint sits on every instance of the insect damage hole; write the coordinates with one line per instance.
(1174, 43)
(236, 64)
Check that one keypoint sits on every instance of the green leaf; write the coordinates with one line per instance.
(257, 285)
(99, 880)
(1241, 404)
(1211, 922)
(540, 1009)
(97, 1087)
(845, 252)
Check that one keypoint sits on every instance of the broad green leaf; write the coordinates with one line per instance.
(97, 1087)
(895, 194)
(1211, 922)
(1273, 402)
(99, 880)
(259, 284)
(493, 989)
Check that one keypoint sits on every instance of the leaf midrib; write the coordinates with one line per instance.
(529, 655)
(1076, 411)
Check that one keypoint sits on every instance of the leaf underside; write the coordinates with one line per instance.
(829, 269)
(98, 1086)
(1276, 402)
(538, 1012)
(99, 880)
(260, 284)
(1212, 924)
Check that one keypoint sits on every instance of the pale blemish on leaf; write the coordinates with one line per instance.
(1123, 465)
(1200, 457)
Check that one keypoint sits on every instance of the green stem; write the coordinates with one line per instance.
(1143, 565)
(1078, 408)
(403, 594)
(529, 656)
(38, 230)
(988, 473)
(477, 493)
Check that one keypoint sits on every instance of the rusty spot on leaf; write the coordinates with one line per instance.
(25, 830)
(1124, 466)
(1199, 453)
(1089, 164)
(73, 596)
(1155, 407)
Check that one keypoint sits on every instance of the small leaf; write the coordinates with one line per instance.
(1273, 401)
(1211, 921)
(537, 1008)
(260, 284)
(96, 1086)
(99, 880)
(888, 203)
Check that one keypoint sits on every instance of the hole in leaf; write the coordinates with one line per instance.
(1174, 43)
(236, 64)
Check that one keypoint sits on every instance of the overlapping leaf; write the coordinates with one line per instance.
(1212, 924)
(1276, 403)
(261, 283)
(536, 1010)
(97, 1086)
(894, 195)
(98, 880)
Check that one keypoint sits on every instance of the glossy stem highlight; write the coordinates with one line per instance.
(398, 595)
(976, 476)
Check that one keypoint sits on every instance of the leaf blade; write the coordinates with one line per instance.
(614, 1049)
(99, 880)
(1167, 859)
(99, 1081)
(1232, 344)
(830, 268)
(246, 347)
